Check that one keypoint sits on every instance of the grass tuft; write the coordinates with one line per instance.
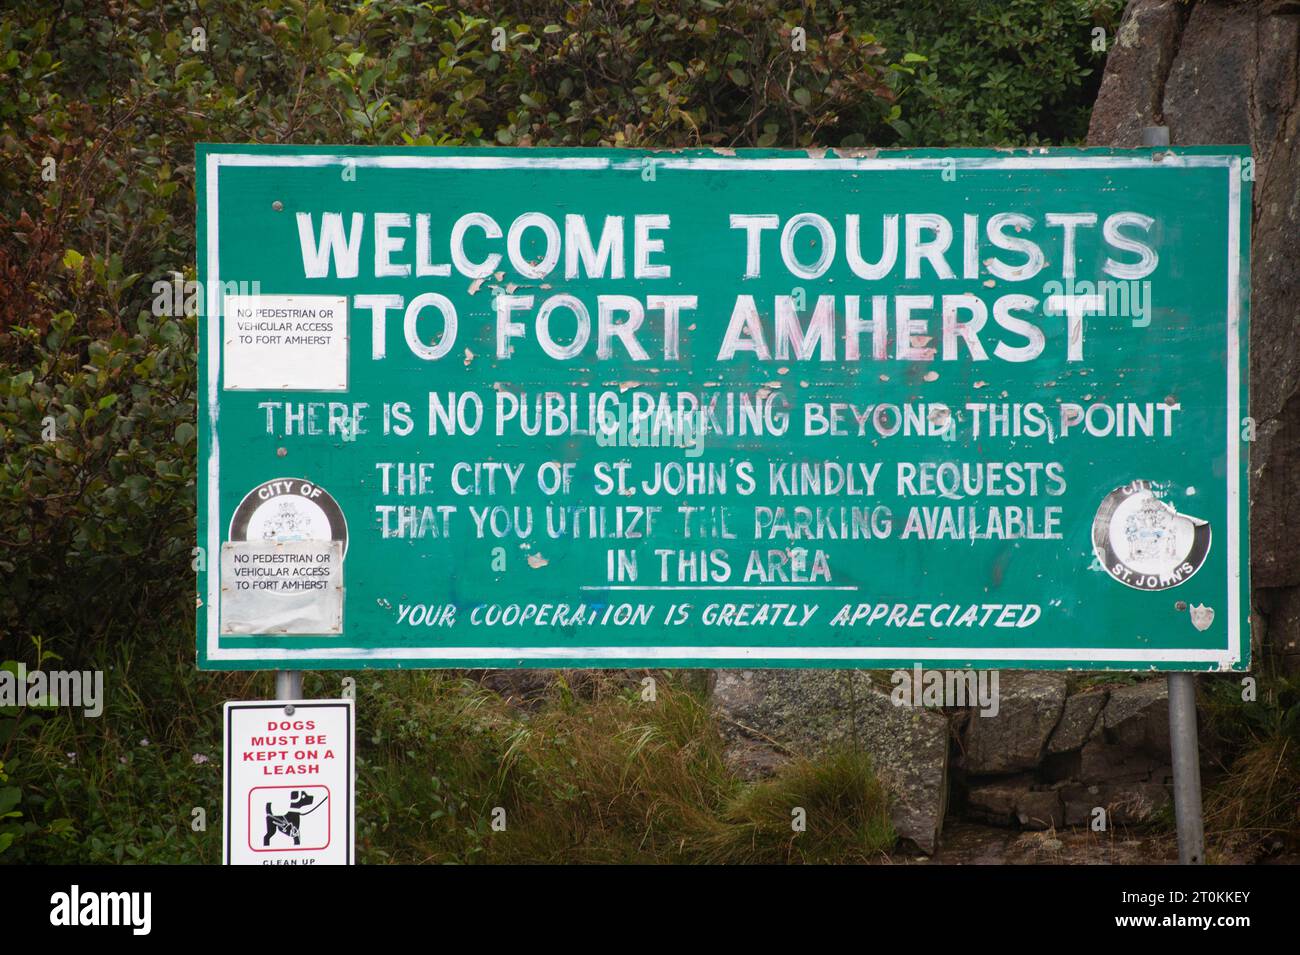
(588, 772)
(1257, 799)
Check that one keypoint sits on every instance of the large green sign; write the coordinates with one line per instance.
(539, 407)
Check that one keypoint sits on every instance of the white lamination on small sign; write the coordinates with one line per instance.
(285, 342)
(282, 587)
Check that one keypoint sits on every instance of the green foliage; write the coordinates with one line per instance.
(594, 776)
(10, 797)
(110, 98)
(97, 457)
(13, 825)
(1257, 796)
(993, 72)
(428, 763)
(598, 776)
(846, 808)
(122, 787)
(104, 102)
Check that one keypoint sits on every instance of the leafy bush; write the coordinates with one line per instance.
(606, 778)
(122, 787)
(104, 101)
(994, 72)
(97, 482)
(97, 193)
(10, 797)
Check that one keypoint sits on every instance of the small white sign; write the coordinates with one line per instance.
(285, 342)
(290, 783)
(282, 586)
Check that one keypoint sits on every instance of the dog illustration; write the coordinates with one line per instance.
(290, 822)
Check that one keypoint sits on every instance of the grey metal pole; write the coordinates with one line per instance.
(288, 684)
(1155, 135)
(1187, 768)
(1182, 710)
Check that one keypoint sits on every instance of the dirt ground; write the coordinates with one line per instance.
(966, 843)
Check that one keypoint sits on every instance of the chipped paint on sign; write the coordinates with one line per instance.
(893, 397)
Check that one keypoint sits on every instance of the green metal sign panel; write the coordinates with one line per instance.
(539, 407)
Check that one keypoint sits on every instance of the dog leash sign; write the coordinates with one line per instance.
(289, 783)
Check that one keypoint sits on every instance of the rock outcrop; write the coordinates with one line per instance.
(1059, 749)
(1029, 709)
(1107, 748)
(771, 716)
(1218, 72)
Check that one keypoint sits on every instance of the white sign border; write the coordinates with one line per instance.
(1224, 659)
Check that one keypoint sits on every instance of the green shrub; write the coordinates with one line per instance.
(605, 777)
(96, 525)
(97, 457)
(993, 72)
(97, 404)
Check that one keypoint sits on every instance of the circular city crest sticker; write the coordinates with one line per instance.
(289, 509)
(1144, 543)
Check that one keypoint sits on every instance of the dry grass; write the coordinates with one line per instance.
(606, 777)
(1257, 799)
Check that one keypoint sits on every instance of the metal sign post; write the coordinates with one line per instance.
(1182, 710)
(288, 684)
(1187, 768)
